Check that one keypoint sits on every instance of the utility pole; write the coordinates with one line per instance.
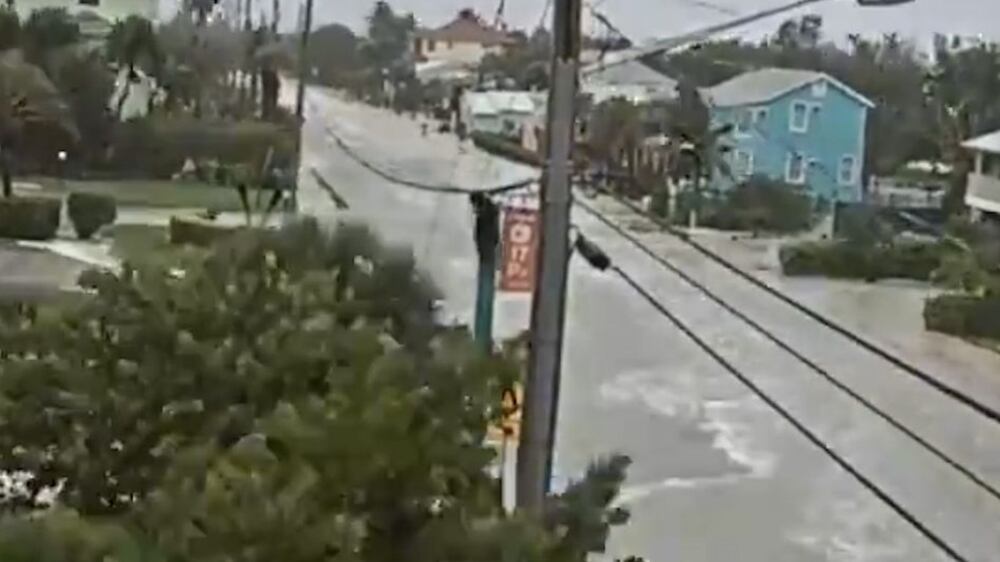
(487, 243)
(541, 400)
(304, 66)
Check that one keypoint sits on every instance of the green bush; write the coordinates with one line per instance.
(846, 260)
(963, 315)
(90, 212)
(504, 148)
(157, 147)
(30, 218)
(759, 204)
(185, 231)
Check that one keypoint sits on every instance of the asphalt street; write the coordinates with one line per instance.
(717, 476)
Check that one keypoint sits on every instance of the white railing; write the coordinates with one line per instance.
(983, 193)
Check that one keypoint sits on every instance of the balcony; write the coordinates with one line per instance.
(983, 192)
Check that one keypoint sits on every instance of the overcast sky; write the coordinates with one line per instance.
(644, 19)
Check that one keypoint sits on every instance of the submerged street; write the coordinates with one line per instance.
(716, 474)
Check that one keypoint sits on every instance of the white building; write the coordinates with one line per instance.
(465, 40)
(501, 113)
(631, 80)
(983, 193)
(111, 10)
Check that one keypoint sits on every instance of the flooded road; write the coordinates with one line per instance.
(717, 475)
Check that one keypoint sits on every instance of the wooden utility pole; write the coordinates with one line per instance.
(304, 65)
(541, 400)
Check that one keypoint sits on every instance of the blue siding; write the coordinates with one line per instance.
(836, 131)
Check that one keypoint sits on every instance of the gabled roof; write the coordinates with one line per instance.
(767, 84)
(466, 28)
(987, 143)
(497, 102)
(631, 73)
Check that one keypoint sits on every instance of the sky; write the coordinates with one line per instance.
(646, 19)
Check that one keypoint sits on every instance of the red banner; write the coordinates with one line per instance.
(520, 250)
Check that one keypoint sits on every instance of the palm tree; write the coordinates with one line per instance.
(697, 150)
(26, 96)
(615, 133)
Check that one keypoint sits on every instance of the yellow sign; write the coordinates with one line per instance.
(510, 421)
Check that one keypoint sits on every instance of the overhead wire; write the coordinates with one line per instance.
(959, 396)
(418, 185)
(784, 346)
(799, 426)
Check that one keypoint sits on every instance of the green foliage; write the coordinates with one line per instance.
(29, 218)
(963, 315)
(86, 85)
(46, 30)
(158, 147)
(759, 204)
(847, 260)
(388, 36)
(90, 212)
(504, 148)
(342, 69)
(291, 398)
(133, 41)
(10, 29)
(526, 62)
(201, 233)
(972, 259)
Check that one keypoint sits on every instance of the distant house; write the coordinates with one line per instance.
(802, 127)
(983, 193)
(501, 113)
(110, 10)
(631, 80)
(466, 39)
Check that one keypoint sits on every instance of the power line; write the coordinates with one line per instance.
(972, 403)
(713, 6)
(819, 370)
(421, 186)
(603, 262)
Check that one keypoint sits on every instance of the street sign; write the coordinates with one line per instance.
(520, 250)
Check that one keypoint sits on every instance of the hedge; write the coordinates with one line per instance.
(846, 260)
(498, 145)
(158, 147)
(89, 212)
(758, 204)
(30, 218)
(963, 315)
(198, 232)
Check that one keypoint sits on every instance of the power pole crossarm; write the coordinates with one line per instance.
(534, 463)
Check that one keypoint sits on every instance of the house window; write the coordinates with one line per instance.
(819, 89)
(742, 163)
(744, 122)
(760, 116)
(796, 170)
(799, 118)
(847, 172)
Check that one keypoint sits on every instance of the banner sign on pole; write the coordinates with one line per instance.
(520, 250)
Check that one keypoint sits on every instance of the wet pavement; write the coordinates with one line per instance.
(717, 475)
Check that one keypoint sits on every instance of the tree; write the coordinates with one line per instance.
(10, 29)
(388, 38)
(291, 397)
(340, 70)
(615, 133)
(27, 97)
(46, 30)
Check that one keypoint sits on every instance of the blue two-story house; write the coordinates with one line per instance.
(802, 127)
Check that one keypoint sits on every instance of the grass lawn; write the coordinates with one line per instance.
(162, 194)
(143, 244)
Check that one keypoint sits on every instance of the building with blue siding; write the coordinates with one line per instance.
(802, 127)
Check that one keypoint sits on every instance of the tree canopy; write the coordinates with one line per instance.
(290, 397)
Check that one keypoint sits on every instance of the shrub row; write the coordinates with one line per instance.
(963, 315)
(846, 260)
(758, 204)
(500, 146)
(197, 232)
(38, 218)
(30, 218)
(158, 147)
